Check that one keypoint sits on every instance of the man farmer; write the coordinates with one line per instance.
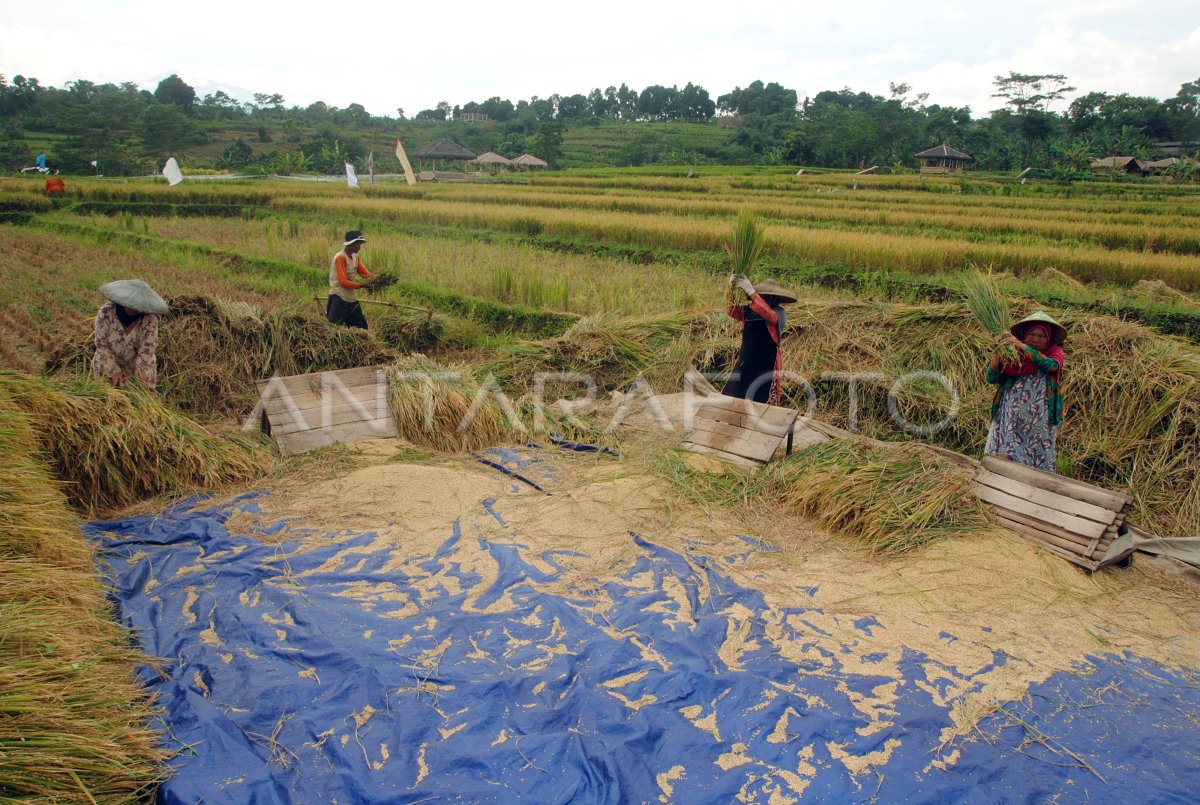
(343, 306)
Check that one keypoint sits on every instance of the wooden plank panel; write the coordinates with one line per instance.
(763, 440)
(1080, 542)
(280, 403)
(732, 444)
(1045, 541)
(303, 441)
(299, 384)
(766, 414)
(1114, 501)
(316, 418)
(1068, 522)
(741, 420)
(730, 457)
(1042, 497)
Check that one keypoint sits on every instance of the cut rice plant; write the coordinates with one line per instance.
(890, 499)
(111, 448)
(381, 281)
(445, 408)
(74, 723)
(988, 305)
(745, 244)
(407, 333)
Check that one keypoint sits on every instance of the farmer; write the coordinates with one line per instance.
(1027, 408)
(759, 363)
(127, 333)
(343, 307)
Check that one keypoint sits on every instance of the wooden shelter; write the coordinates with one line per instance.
(1160, 166)
(943, 159)
(444, 150)
(1128, 165)
(530, 161)
(493, 159)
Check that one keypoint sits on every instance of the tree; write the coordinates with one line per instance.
(431, 114)
(572, 107)
(164, 129)
(1027, 92)
(658, 103)
(695, 104)
(173, 90)
(237, 155)
(759, 98)
(548, 141)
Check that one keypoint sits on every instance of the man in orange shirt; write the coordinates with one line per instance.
(343, 306)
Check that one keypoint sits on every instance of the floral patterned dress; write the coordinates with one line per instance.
(1026, 413)
(129, 350)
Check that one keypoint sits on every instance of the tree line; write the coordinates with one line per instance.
(128, 129)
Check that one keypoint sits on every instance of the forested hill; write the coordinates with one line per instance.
(127, 130)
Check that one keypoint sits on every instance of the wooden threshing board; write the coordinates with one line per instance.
(304, 412)
(739, 431)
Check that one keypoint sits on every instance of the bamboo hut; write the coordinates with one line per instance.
(943, 159)
(1128, 165)
(530, 161)
(444, 150)
(492, 159)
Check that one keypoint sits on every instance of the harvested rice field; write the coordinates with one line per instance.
(521, 598)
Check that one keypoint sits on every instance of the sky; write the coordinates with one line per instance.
(388, 56)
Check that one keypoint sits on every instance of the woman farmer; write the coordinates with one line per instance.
(127, 333)
(759, 363)
(343, 306)
(1027, 408)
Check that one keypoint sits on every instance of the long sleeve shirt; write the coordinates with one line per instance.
(340, 270)
(755, 356)
(1052, 366)
(125, 350)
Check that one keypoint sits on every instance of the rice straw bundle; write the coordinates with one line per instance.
(73, 720)
(113, 448)
(381, 281)
(441, 407)
(988, 305)
(407, 333)
(745, 244)
(891, 499)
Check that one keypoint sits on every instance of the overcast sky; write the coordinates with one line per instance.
(410, 55)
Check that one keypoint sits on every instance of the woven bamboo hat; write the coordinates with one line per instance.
(134, 294)
(1058, 333)
(769, 288)
(354, 236)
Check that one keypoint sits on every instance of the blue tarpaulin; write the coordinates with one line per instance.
(347, 670)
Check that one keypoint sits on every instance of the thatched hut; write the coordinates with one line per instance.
(494, 160)
(1129, 165)
(445, 150)
(530, 161)
(943, 159)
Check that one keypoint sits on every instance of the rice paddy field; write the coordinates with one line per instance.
(622, 276)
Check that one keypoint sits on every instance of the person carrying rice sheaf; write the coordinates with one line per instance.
(1027, 407)
(343, 306)
(759, 365)
(127, 333)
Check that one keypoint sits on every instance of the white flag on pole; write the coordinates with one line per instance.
(351, 176)
(172, 172)
(94, 164)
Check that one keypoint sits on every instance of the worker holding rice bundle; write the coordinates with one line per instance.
(759, 366)
(343, 306)
(1027, 408)
(126, 338)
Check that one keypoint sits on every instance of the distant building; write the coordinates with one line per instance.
(473, 117)
(943, 159)
(1131, 166)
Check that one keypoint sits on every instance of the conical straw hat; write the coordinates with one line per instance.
(1058, 333)
(134, 294)
(769, 288)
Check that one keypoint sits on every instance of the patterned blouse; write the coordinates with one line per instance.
(1053, 370)
(129, 350)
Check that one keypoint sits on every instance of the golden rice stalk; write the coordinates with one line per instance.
(115, 447)
(891, 499)
(989, 307)
(73, 720)
(745, 244)
(445, 408)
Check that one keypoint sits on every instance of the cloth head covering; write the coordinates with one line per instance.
(134, 294)
(769, 288)
(1058, 333)
(354, 236)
